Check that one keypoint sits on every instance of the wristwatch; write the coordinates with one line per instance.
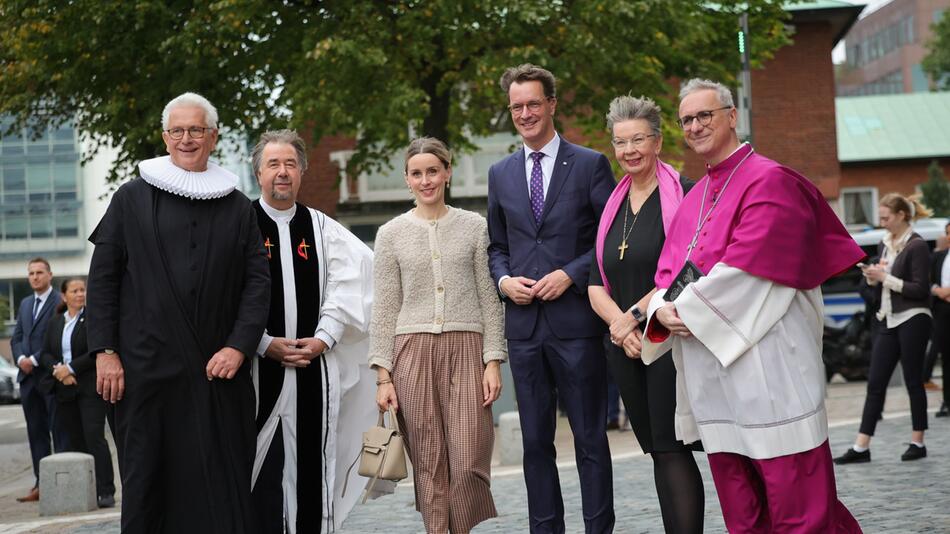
(637, 313)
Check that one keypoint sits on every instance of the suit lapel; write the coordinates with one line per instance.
(562, 169)
(60, 325)
(522, 195)
(28, 321)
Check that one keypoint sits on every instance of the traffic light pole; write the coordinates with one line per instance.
(745, 80)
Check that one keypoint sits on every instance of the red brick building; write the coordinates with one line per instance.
(792, 117)
(885, 144)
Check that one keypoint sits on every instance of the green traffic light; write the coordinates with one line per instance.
(741, 42)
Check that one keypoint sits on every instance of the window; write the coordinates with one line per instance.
(40, 196)
(859, 206)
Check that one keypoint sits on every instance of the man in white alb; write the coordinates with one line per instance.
(315, 392)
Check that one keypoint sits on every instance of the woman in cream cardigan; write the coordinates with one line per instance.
(437, 341)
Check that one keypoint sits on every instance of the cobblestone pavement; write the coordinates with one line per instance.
(887, 495)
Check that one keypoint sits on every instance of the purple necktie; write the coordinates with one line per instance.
(537, 186)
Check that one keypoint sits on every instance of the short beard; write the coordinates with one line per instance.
(274, 195)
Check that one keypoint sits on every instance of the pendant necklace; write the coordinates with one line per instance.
(703, 218)
(626, 233)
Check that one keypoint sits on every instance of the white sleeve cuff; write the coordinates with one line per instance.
(500, 280)
(326, 338)
(652, 350)
(332, 330)
(894, 283)
(266, 340)
(35, 363)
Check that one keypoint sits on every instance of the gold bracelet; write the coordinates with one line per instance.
(384, 381)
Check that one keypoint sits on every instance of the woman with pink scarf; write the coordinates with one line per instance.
(629, 240)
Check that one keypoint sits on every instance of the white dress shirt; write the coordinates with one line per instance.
(547, 162)
(945, 272)
(68, 329)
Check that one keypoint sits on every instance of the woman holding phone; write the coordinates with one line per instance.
(902, 278)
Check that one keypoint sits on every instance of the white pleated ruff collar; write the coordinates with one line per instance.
(215, 182)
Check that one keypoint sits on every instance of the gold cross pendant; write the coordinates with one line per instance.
(623, 248)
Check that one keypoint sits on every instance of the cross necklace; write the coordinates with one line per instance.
(626, 233)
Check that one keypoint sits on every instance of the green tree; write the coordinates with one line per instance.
(936, 191)
(373, 70)
(937, 61)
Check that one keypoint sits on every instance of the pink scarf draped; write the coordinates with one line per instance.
(671, 195)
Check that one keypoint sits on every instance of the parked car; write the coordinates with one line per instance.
(9, 388)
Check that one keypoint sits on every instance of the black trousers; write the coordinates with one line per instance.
(907, 344)
(83, 419)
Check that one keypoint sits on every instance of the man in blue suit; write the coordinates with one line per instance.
(39, 408)
(544, 202)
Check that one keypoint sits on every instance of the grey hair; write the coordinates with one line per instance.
(628, 108)
(700, 84)
(191, 99)
(282, 137)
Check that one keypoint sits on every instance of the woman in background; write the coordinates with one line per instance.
(902, 278)
(81, 412)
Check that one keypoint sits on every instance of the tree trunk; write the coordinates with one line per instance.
(436, 123)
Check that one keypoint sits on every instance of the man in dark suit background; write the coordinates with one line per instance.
(940, 278)
(544, 203)
(39, 408)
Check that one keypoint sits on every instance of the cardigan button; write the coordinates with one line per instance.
(439, 289)
(438, 320)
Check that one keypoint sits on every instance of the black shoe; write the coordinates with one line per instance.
(106, 501)
(914, 452)
(613, 425)
(942, 412)
(852, 456)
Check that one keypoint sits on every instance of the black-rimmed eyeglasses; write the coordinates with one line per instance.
(704, 117)
(533, 106)
(195, 132)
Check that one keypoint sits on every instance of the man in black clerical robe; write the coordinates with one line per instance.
(315, 389)
(178, 294)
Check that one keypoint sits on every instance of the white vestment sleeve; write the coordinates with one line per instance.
(347, 261)
(346, 293)
(729, 310)
(652, 350)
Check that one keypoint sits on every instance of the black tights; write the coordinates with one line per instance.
(679, 486)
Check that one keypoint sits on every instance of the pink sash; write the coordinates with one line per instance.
(671, 194)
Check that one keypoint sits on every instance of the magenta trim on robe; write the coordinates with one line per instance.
(771, 222)
(671, 194)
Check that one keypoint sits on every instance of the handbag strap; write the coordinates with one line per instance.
(393, 420)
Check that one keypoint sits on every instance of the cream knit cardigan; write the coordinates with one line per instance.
(432, 277)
